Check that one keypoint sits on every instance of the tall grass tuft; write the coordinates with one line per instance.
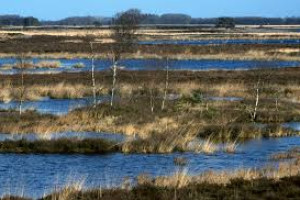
(48, 64)
(207, 146)
(230, 147)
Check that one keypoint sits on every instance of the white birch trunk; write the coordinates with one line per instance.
(114, 82)
(166, 86)
(93, 76)
(256, 101)
(22, 86)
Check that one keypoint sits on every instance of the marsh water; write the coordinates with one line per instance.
(35, 175)
(51, 106)
(69, 65)
(222, 42)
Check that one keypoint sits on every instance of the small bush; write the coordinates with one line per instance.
(197, 97)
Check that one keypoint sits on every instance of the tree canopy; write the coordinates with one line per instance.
(225, 22)
(124, 29)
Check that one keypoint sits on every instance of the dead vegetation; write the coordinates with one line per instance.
(190, 110)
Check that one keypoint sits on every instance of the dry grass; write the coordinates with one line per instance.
(69, 190)
(181, 178)
(63, 90)
(5, 95)
(58, 91)
(293, 153)
(7, 67)
(230, 147)
(44, 136)
(229, 89)
(48, 64)
(226, 120)
(162, 142)
(177, 180)
(251, 55)
(207, 147)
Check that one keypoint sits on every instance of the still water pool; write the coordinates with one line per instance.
(37, 174)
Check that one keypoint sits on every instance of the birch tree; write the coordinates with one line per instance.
(261, 74)
(124, 36)
(257, 88)
(93, 75)
(166, 84)
(22, 88)
(114, 80)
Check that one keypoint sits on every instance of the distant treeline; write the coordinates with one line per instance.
(16, 20)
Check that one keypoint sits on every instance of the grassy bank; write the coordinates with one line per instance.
(262, 189)
(266, 183)
(59, 146)
(189, 110)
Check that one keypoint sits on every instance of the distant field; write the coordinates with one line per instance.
(166, 30)
(75, 42)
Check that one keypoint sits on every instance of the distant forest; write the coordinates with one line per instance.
(16, 20)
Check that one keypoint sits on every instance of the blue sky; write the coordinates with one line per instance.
(57, 9)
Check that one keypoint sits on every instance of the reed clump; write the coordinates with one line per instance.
(231, 147)
(258, 189)
(48, 64)
(157, 144)
(293, 153)
(162, 142)
(78, 65)
(207, 146)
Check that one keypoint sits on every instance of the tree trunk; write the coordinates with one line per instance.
(166, 86)
(114, 82)
(256, 102)
(93, 76)
(22, 89)
(152, 103)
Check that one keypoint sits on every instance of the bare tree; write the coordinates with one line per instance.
(152, 91)
(254, 114)
(22, 88)
(114, 69)
(166, 84)
(253, 109)
(93, 75)
(21, 68)
(124, 29)
(260, 75)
